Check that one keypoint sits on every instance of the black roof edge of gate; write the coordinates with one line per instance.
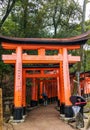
(77, 40)
(41, 66)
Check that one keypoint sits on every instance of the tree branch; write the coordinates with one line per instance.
(8, 10)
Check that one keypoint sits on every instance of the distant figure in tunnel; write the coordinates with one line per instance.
(45, 98)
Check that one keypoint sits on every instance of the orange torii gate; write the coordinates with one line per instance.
(42, 44)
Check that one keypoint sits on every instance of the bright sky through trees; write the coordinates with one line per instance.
(87, 9)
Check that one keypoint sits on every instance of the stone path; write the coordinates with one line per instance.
(43, 118)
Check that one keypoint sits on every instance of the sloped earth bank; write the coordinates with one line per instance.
(43, 118)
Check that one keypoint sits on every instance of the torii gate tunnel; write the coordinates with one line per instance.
(63, 59)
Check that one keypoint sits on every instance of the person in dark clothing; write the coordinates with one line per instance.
(45, 98)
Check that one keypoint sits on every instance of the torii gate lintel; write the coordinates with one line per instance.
(39, 59)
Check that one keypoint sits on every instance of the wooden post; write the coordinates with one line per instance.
(33, 97)
(41, 91)
(36, 92)
(67, 91)
(24, 93)
(58, 91)
(52, 89)
(41, 51)
(1, 111)
(18, 85)
(62, 95)
(55, 84)
(49, 91)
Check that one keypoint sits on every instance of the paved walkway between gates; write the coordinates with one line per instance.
(43, 118)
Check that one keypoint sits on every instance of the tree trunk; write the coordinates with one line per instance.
(83, 16)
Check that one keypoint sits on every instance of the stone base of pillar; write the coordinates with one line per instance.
(56, 98)
(62, 108)
(18, 113)
(24, 111)
(49, 100)
(40, 101)
(58, 102)
(68, 112)
(53, 99)
(16, 121)
(34, 103)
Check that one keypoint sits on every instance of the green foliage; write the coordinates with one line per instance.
(42, 19)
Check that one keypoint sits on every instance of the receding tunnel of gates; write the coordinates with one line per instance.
(37, 83)
(35, 87)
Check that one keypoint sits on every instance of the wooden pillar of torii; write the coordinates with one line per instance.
(18, 85)
(61, 78)
(42, 45)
